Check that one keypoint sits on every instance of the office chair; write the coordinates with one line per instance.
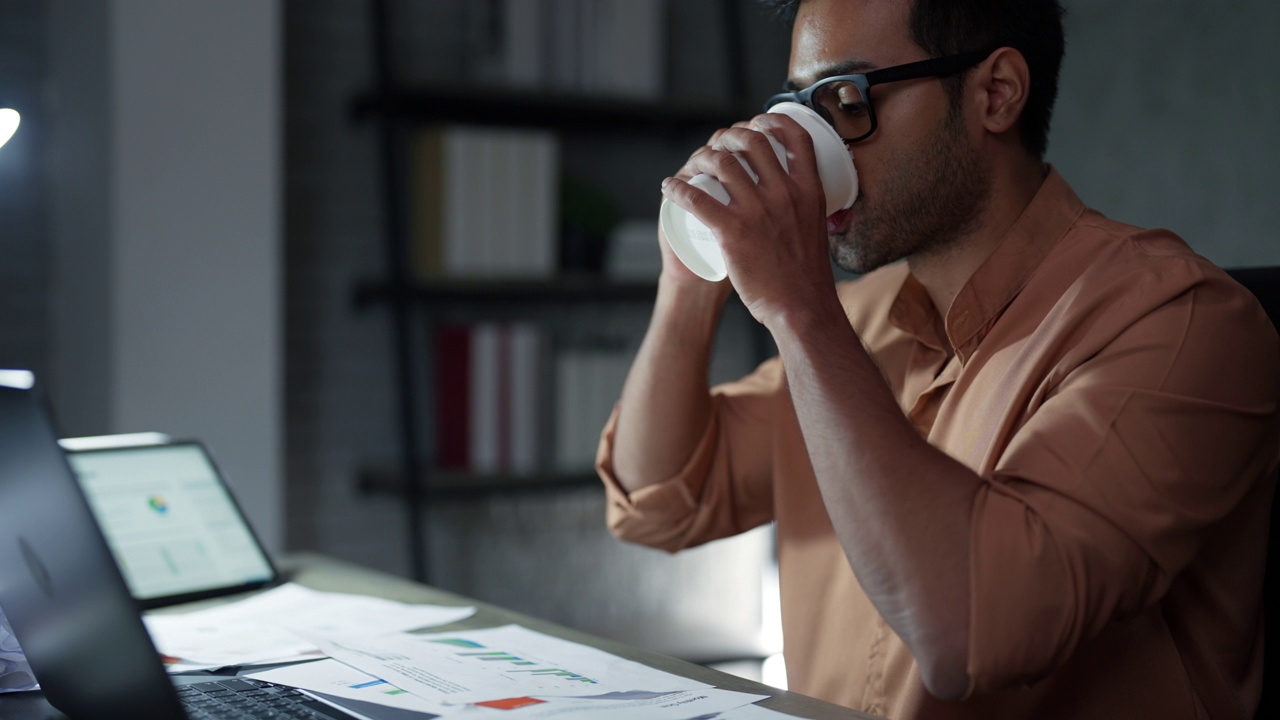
(1264, 283)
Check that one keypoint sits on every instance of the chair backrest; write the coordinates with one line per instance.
(1264, 283)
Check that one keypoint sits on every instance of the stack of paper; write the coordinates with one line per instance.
(505, 672)
(265, 628)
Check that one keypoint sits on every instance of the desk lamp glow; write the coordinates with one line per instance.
(8, 124)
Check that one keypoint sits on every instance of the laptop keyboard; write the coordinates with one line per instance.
(245, 699)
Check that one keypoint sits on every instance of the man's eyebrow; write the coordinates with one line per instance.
(845, 68)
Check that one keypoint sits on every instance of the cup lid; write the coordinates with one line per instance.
(693, 243)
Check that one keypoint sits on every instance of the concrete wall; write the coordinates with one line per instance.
(196, 224)
(165, 217)
(79, 78)
(24, 257)
(1168, 117)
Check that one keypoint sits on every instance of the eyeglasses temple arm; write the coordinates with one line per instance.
(933, 67)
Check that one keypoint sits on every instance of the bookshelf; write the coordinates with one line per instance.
(414, 304)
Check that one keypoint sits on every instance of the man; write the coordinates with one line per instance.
(1024, 473)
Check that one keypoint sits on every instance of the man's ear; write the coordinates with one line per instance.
(1003, 83)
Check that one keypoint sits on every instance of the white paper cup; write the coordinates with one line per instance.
(697, 246)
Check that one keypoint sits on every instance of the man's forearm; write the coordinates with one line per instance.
(900, 507)
(665, 405)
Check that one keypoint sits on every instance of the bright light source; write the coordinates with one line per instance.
(774, 672)
(9, 120)
(20, 379)
(100, 442)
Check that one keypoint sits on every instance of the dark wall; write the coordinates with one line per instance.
(24, 257)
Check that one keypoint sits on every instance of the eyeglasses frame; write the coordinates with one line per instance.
(939, 67)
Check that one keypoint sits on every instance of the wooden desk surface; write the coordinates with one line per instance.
(324, 573)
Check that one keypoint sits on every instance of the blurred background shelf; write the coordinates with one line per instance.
(506, 107)
(504, 291)
(446, 485)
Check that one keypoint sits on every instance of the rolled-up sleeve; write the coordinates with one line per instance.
(724, 488)
(1113, 484)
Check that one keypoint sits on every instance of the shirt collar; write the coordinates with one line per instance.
(999, 279)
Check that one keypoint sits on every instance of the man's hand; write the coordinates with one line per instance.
(674, 272)
(772, 233)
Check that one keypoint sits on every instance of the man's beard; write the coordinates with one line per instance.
(929, 198)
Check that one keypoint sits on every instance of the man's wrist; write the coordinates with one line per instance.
(819, 317)
(690, 308)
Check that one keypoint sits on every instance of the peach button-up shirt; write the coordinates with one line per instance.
(1118, 395)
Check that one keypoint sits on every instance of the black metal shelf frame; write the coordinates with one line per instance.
(444, 485)
(576, 113)
(453, 291)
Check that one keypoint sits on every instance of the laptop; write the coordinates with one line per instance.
(170, 521)
(70, 607)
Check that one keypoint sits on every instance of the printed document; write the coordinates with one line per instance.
(263, 628)
(491, 664)
(681, 705)
(330, 678)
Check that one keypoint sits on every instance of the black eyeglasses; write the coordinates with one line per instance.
(844, 101)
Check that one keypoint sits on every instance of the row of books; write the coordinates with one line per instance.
(506, 404)
(484, 202)
(588, 382)
(604, 47)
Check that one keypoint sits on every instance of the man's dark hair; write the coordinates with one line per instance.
(947, 27)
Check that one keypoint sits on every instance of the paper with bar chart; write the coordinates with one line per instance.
(680, 705)
(332, 678)
(495, 664)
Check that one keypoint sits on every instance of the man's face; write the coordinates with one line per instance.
(921, 182)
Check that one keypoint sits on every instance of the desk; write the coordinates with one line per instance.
(323, 573)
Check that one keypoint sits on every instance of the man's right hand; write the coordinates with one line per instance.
(674, 272)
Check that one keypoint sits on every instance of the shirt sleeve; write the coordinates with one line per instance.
(725, 487)
(1108, 490)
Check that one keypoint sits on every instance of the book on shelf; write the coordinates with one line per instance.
(588, 383)
(602, 47)
(527, 410)
(627, 48)
(505, 406)
(490, 400)
(632, 252)
(452, 396)
(484, 203)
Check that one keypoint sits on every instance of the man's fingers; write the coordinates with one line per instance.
(758, 151)
(695, 201)
(801, 162)
(685, 173)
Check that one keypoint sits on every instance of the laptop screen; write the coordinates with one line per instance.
(170, 521)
